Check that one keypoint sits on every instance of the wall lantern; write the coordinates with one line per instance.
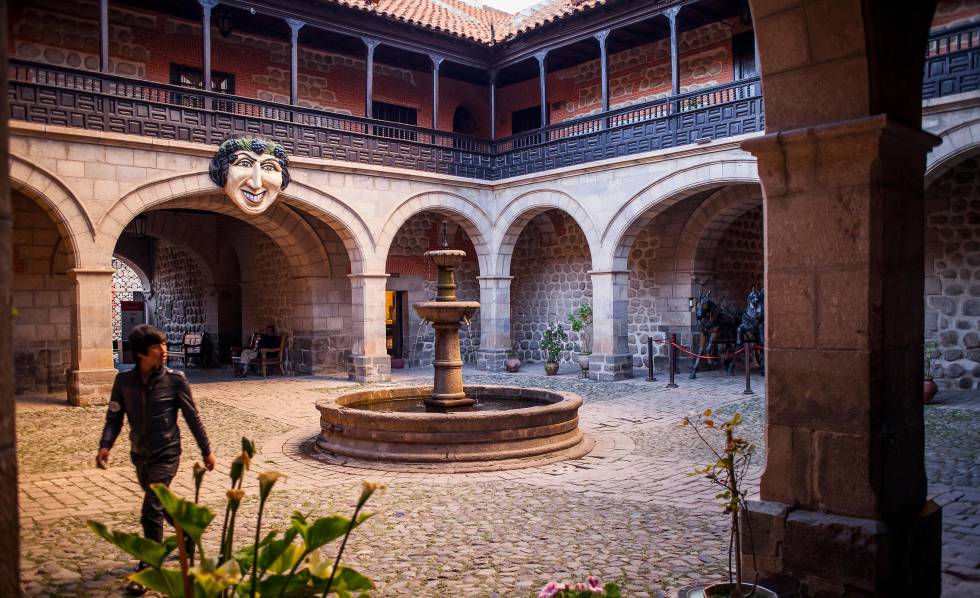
(223, 19)
(690, 303)
(140, 224)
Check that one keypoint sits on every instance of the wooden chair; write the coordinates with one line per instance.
(190, 346)
(272, 357)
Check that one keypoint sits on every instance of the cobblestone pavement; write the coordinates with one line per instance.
(628, 512)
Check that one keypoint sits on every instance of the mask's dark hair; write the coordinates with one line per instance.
(143, 337)
(219, 164)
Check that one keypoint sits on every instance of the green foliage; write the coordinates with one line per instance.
(289, 564)
(553, 341)
(580, 320)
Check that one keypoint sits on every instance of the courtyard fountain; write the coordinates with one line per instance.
(449, 423)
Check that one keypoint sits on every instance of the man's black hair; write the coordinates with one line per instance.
(218, 170)
(143, 337)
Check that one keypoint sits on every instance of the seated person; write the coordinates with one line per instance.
(269, 339)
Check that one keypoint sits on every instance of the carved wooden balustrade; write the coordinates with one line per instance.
(952, 62)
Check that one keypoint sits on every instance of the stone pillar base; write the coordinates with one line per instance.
(609, 367)
(491, 360)
(90, 387)
(370, 368)
(835, 555)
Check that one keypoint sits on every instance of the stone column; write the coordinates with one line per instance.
(371, 362)
(844, 490)
(611, 358)
(495, 338)
(543, 85)
(294, 26)
(90, 379)
(675, 64)
(601, 37)
(436, 63)
(9, 525)
(493, 104)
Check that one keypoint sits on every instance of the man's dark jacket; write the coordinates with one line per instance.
(152, 411)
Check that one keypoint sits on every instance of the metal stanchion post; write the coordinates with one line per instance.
(748, 383)
(672, 359)
(650, 376)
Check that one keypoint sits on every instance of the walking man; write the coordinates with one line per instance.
(149, 396)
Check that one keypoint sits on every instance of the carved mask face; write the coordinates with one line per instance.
(254, 180)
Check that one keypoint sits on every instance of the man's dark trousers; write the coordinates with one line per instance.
(159, 469)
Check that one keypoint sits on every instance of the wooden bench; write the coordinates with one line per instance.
(190, 347)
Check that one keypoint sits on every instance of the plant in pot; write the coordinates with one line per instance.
(553, 340)
(581, 321)
(512, 363)
(929, 387)
(732, 455)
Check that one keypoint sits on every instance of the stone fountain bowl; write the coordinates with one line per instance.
(446, 258)
(545, 422)
(446, 312)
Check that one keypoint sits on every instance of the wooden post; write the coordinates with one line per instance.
(493, 104)
(436, 61)
(604, 63)
(369, 76)
(543, 86)
(294, 27)
(675, 65)
(206, 7)
(104, 36)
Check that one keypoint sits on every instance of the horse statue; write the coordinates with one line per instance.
(717, 326)
(752, 328)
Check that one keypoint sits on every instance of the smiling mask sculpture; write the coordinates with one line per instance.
(252, 171)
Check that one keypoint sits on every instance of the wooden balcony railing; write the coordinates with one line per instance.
(952, 62)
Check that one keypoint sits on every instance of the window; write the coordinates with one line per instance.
(189, 76)
(743, 55)
(397, 114)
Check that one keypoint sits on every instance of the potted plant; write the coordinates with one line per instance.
(727, 470)
(929, 386)
(581, 320)
(553, 340)
(512, 363)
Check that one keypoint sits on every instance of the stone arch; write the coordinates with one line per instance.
(516, 214)
(958, 142)
(294, 236)
(618, 237)
(348, 225)
(68, 214)
(463, 211)
(709, 221)
(134, 267)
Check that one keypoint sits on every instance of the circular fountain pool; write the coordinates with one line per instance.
(392, 424)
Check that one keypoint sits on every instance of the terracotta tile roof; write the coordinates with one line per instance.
(470, 19)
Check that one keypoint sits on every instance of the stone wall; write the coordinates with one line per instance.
(412, 273)
(43, 295)
(125, 282)
(265, 281)
(952, 283)
(645, 308)
(178, 299)
(739, 260)
(550, 268)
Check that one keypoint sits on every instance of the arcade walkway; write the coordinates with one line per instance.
(628, 512)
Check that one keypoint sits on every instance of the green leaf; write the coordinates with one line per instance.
(345, 582)
(148, 551)
(736, 419)
(327, 529)
(270, 549)
(165, 581)
(286, 559)
(192, 518)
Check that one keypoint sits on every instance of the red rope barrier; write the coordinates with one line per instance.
(689, 353)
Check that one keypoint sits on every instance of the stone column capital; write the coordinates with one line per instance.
(601, 37)
(295, 25)
(80, 272)
(871, 125)
(371, 43)
(207, 5)
(541, 56)
(436, 60)
(671, 13)
(495, 278)
(606, 272)
(368, 275)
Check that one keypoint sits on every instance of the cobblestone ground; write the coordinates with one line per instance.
(627, 512)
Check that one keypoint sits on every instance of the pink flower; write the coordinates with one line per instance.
(551, 589)
(594, 586)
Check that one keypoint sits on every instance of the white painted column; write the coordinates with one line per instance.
(611, 358)
(495, 339)
(371, 362)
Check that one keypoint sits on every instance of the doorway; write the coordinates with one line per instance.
(394, 326)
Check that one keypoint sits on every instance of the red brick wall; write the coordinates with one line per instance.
(144, 44)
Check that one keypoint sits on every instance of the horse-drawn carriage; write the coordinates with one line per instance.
(725, 330)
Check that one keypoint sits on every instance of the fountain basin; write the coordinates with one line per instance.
(446, 312)
(349, 427)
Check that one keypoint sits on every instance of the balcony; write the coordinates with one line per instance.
(98, 102)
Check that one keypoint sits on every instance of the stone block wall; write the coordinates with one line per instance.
(43, 295)
(739, 259)
(952, 284)
(178, 298)
(550, 267)
(411, 272)
(265, 281)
